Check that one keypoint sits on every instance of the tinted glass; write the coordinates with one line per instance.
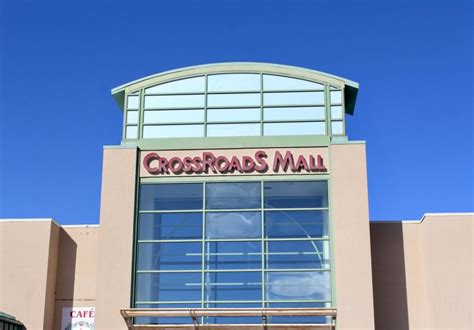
(303, 98)
(234, 255)
(133, 102)
(271, 82)
(336, 97)
(169, 256)
(337, 128)
(233, 195)
(131, 132)
(295, 194)
(227, 115)
(233, 225)
(233, 100)
(299, 286)
(298, 254)
(233, 129)
(296, 224)
(318, 128)
(190, 85)
(171, 131)
(233, 286)
(174, 101)
(157, 226)
(233, 82)
(132, 117)
(173, 116)
(168, 287)
(295, 113)
(336, 112)
(171, 196)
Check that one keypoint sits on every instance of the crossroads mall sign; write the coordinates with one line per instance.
(234, 162)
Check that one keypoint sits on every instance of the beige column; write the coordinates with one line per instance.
(114, 268)
(350, 215)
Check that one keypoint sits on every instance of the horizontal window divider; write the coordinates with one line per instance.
(232, 210)
(154, 271)
(295, 121)
(294, 270)
(298, 301)
(170, 211)
(319, 105)
(237, 210)
(296, 209)
(174, 94)
(232, 239)
(230, 107)
(325, 238)
(173, 109)
(233, 122)
(293, 90)
(253, 91)
(198, 240)
(168, 302)
(336, 104)
(174, 123)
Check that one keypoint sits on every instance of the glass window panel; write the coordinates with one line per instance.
(168, 287)
(189, 85)
(133, 102)
(318, 128)
(233, 82)
(233, 286)
(233, 129)
(291, 194)
(337, 128)
(132, 117)
(169, 256)
(244, 114)
(131, 132)
(336, 112)
(233, 100)
(336, 97)
(156, 226)
(172, 131)
(295, 98)
(298, 254)
(233, 225)
(299, 286)
(296, 224)
(271, 82)
(173, 116)
(235, 195)
(172, 196)
(233, 255)
(174, 101)
(295, 113)
(165, 320)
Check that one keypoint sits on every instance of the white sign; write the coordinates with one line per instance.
(78, 318)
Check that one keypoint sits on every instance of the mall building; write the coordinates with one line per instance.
(235, 200)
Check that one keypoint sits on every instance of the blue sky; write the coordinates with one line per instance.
(59, 60)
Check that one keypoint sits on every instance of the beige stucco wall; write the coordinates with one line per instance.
(77, 269)
(114, 271)
(28, 261)
(350, 215)
(423, 272)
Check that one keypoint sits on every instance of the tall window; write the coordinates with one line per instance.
(233, 244)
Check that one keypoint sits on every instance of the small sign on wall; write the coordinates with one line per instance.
(78, 318)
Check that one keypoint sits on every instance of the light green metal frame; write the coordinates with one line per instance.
(264, 241)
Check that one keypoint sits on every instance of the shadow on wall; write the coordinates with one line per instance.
(65, 278)
(388, 273)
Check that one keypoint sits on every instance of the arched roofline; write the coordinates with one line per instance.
(350, 87)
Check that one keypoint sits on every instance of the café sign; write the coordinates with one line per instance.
(234, 162)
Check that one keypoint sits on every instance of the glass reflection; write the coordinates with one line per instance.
(233, 129)
(298, 286)
(236, 286)
(233, 82)
(168, 287)
(189, 85)
(294, 194)
(236, 195)
(156, 226)
(298, 254)
(272, 82)
(233, 255)
(233, 225)
(295, 113)
(185, 196)
(174, 101)
(133, 102)
(296, 224)
(171, 131)
(173, 116)
(169, 256)
(294, 129)
(233, 100)
(295, 98)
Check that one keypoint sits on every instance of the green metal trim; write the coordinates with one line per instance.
(237, 142)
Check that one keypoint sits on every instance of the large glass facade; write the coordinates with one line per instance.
(233, 244)
(234, 104)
